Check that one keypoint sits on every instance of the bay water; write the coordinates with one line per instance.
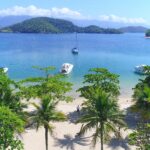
(118, 53)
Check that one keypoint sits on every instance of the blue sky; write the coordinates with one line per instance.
(112, 10)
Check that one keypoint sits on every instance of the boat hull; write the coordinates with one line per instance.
(5, 69)
(68, 70)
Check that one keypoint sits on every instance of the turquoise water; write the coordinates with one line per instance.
(118, 53)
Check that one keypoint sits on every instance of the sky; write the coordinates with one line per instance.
(122, 11)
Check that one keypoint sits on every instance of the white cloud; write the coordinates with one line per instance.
(118, 19)
(65, 13)
(35, 11)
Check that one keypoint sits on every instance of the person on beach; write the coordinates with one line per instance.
(78, 109)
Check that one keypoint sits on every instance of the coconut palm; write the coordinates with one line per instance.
(45, 113)
(50, 89)
(102, 114)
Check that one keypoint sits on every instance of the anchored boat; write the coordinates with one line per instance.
(66, 68)
(140, 69)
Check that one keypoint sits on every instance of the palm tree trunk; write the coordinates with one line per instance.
(46, 137)
(101, 132)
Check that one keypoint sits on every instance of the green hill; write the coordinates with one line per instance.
(147, 34)
(51, 25)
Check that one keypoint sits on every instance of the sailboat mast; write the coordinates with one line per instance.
(76, 41)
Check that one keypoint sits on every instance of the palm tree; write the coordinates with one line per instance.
(50, 89)
(45, 113)
(101, 113)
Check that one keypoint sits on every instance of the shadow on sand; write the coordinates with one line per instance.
(115, 143)
(131, 119)
(69, 142)
(73, 116)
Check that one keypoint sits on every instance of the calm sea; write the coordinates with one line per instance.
(118, 53)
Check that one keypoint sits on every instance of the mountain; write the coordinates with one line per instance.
(134, 29)
(9, 20)
(51, 25)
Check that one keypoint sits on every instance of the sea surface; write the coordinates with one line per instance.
(118, 53)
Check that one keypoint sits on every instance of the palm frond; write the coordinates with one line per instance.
(95, 136)
(100, 109)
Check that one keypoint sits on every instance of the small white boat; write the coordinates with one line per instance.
(66, 68)
(75, 50)
(140, 69)
(5, 69)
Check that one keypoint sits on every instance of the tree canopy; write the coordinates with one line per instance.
(10, 94)
(10, 125)
(52, 86)
(141, 96)
(141, 136)
(101, 77)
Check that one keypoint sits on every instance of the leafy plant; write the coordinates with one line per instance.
(141, 97)
(101, 77)
(10, 94)
(10, 125)
(141, 137)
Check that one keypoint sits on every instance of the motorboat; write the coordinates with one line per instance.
(5, 69)
(66, 68)
(140, 69)
(75, 50)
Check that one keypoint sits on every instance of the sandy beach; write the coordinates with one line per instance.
(64, 137)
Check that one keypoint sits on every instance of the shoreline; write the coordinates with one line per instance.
(65, 132)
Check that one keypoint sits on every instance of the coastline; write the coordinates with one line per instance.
(64, 136)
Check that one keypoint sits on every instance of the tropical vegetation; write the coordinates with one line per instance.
(141, 136)
(100, 109)
(45, 114)
(101, 77)
(12, 117)
(10, 126)
(49, 89)
(141, 96)
(10, 94)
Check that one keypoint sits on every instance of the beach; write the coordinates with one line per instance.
(64, 136)
(52, 53)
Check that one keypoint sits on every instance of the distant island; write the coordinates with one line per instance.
(133, 29)
(147, 34)
(51, 25)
